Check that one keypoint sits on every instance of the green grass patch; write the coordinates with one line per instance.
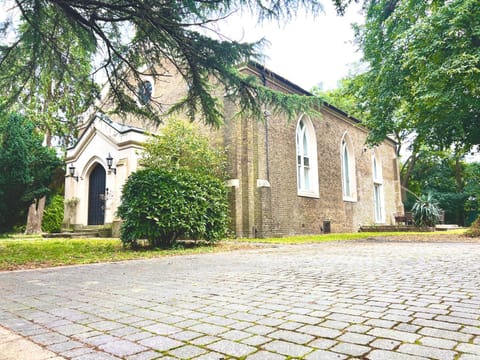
(33, 252)
(301, 239)
(26, 252)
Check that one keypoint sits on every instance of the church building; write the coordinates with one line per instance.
(309, 176)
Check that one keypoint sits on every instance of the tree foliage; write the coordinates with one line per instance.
(27, 168)
(45, 71)
(424, 71)
(130, 40)
(452, 181)
(180, 146)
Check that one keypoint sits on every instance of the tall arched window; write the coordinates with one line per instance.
(378, 198)
(349, 184)
(307, 167)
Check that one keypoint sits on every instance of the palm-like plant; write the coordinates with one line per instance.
(426, 211)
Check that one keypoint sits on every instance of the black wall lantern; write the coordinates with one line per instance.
(71, 171)
(110, 163)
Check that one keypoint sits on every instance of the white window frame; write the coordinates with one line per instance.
(349, 181)
(378, 193)
(306, 158)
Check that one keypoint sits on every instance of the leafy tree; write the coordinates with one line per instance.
(27, 168)
(342, 98)
(181, 192)
(424, 70)
(454, 183)
(131, 39)
(181, 146)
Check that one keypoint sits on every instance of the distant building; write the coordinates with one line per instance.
(309, 176)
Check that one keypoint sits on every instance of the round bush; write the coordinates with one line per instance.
(162, 205)
(53, 215)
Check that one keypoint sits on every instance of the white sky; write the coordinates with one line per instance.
(306, 51)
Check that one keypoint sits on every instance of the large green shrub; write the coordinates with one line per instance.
(53, 215)
(163, 205)
(426, 211)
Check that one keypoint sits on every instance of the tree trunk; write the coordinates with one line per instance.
(460, 188)
(35, 211)
(35, 216)
(406, 175)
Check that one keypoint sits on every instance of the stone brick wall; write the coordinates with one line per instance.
(267, 152)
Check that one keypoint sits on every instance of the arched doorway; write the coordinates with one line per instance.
(96, 196)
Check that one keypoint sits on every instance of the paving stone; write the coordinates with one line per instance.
(49, 338)
(211, 356)
(218, 320)
(385, 344)
(356, 338)
(231, 348)
(122, 348)
(394, 334)
(468, 357)
(469, 348)
(347, 318)
(260, 329)
(265, 355)
(438, 343)
(146, 355)
(445, 334)
(324, 355)
(187, 352)
(256, 340)
(388, 324)
(291, 336)
(390, 355)
(430, 352)
(350, 349)
(96, 355)
(235, 335)
(471, 330)
(71, 329)
(407, 327)
(305, 319)
(161, 343)
(322, 344)
(436, 324)
(287, 348)
(361, 329)
(209, 329)
(185, 335)
(100, 340)
(65, 346)
(140, 335)
(290, 325)
(74, 353)
(162, 329)
(340, 325)
(320, 331)
(204, 340)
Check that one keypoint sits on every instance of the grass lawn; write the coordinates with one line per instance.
(34, 252)
(301, 239)
(25, 252)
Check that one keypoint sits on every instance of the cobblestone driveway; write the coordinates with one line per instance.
(349, 300)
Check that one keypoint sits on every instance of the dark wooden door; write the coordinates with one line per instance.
(96, 196)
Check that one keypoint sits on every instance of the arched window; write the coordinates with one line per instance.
(378, 197)
(307, 168)
(349, 184)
